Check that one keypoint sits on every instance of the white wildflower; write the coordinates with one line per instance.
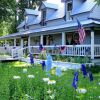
(28, 96)
(45, 79)
(49, 91)
(51, 82)
(99, 97)
(16, 77)
(31, 76)
(99, 83)
(24, 70)
(81, 90)
(52, 96)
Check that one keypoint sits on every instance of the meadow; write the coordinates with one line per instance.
(22, 81)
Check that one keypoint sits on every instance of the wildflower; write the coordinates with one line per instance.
(16, 77)
(24, 70)
(28, 96)
(81, 90)
(99, 83)
(51, 82)
(99, 97)
(53, 72)
(31, 76)
(45, 79)
(52, 96)
(49, 91)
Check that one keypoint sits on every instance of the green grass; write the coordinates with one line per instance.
(36, 88)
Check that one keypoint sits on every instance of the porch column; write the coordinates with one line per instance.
(41, 39)
(22, 44)
(29, 38)
(14, 41)
(63, 38)
(92, 44)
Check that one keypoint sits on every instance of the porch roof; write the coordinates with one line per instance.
(65, 27)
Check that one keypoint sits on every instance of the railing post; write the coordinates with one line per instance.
(92, 44)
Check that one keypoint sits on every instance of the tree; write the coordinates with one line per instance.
(98, 1)
(22, 4)
(7, 8)
(7, 16)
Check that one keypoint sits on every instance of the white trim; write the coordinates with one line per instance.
(92, 44)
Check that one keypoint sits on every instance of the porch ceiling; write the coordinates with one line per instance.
(68, 27)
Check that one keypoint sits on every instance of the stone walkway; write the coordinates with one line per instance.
(62, 65)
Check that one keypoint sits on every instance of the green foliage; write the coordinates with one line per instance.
(35, 88)
(43, 55)
(98, 1)
(94, 69)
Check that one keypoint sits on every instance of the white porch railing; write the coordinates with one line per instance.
(69, 50)
(97, 50)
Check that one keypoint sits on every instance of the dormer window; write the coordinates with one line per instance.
(43, 17)
(69, 10)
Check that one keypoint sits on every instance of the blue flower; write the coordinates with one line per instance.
(83, 68)
(75, 80)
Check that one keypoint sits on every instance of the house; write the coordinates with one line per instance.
(55, 23)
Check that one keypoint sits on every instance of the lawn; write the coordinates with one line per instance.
(21, 81)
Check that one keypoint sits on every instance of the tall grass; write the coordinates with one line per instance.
(26, 88)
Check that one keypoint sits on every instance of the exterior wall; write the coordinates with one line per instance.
(34, 41)
(97, 37)
(96, 12)
(57, 39)
(87, 38)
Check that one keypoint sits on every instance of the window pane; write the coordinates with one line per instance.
(69, 6)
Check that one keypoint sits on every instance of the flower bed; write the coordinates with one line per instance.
(32, 83)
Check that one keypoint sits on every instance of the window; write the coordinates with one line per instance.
(69, 6)
(43, 18)
(69, 10)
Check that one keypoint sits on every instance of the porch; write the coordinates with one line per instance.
(56, 42)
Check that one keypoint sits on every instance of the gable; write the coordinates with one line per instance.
(48, 5)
